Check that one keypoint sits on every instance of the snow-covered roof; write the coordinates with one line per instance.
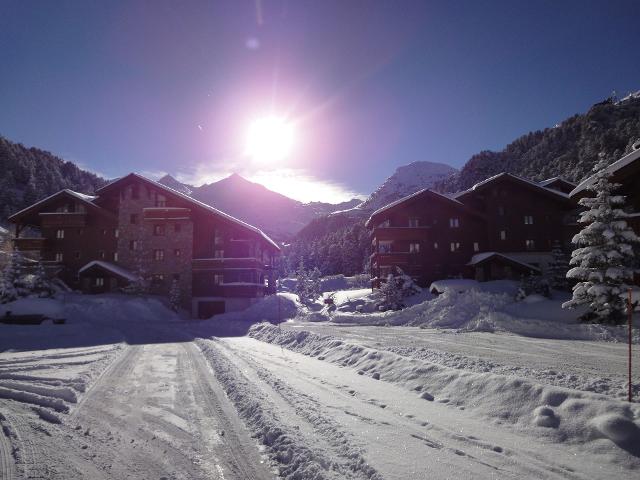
(486, 181)
(80, 196)
(195, 202)
(413, 195)
(551, 180)
(614, 167)
(110, 267)
(481, 257)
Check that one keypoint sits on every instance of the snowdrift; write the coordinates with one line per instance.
(556, 414)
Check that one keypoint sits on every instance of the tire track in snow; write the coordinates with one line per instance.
(333, 452)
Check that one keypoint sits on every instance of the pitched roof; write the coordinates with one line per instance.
(417, 194)
(191, 200)
(613, 168)
(485, 256)
(551, 180)
(484, 183)
(86, 199)
(110, 267)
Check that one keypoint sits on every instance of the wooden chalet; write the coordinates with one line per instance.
(134, 227)
(503, 227)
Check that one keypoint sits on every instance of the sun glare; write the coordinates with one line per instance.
(269, 139)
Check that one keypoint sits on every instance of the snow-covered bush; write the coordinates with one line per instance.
(397, 287)
(309, 284)
(604, 260)
(533, 284)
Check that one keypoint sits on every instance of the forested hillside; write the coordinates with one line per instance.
(335, 244)
(569, 149)
(29, 174)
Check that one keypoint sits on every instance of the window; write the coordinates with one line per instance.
(414, 222)
(454, 222)
(59, 257)
(158, 230)
(157, 280)
(385, 224)
(218, 279)
(76, 254)
(99, 282)
(217, 237)
(528, 220)
(177, 228)
(104, 231)
(133, 218)
(476, 247)
(501, 211)
(116, 233)
(115, 256)
(177, 253)
(60, 233)
(503, 234)
(414, 248)
(161, 200)
(218, 254)
(80, 231)
(102, 254)
(133, 244)
(158, 254)
(384, 246)
(529, 244)
(435, 245)
(455, 246)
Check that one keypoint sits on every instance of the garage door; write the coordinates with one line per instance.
(208, 309)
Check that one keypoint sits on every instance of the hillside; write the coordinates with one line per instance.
(570, 149)
(29, 174)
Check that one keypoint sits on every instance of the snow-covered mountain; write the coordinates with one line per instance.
(406, 180)
(278, 215)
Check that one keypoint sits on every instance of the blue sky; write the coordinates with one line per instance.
(172, 86)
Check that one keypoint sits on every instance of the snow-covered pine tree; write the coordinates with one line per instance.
(558, 268)
(397, 287)
(604, 259)
(175, 295)
(302, 284)
(314, 287)
(40, 284)
(11, 282)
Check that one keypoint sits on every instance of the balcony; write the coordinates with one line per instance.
(394, 258)
(166, 213)
(401, 233)
(222, 263)
(63, 219)
(30, 244)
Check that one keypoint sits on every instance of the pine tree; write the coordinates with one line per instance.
(397, 287)
(314, 288)
(558, 268)
(41, 285)
(12, 280)
(175, 295)
(604, 258)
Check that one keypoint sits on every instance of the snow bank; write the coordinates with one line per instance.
(553, 413)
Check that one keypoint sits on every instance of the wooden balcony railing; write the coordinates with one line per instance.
(222, 263)
(30, 244)
(63, 219)
(166, 213)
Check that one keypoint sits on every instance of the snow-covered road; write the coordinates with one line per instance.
(155, 412)
(372, 429)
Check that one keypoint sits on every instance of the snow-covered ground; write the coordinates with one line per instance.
(128, 389)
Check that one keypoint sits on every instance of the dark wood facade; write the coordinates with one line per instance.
(504, 214)
(153, 231)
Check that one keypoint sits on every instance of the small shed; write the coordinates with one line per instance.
(498, 266)
(100, 277)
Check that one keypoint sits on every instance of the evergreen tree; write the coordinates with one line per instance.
(604, 259)
(558, 268)
(12, 280)
(175, 295)
(41, 285)
(397, 287)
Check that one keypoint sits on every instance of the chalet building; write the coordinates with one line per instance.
(626, 173)
(503, 227)
(135, 227)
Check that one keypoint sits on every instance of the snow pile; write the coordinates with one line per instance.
(552, 413)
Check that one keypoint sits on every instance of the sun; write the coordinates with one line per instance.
(270, 139)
